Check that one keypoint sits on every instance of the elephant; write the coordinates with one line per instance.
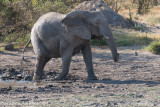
(56, 35)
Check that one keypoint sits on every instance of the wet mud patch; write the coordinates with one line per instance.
(51, 75)
(9, 72)
(28, 87)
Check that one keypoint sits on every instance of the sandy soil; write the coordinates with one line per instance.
(133, 81)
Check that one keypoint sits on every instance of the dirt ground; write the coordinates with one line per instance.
(133, 81)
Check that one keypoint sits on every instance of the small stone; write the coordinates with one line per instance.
(9, 88)
(100, 86)
(19, 76)
(48, 86)
(18, 90)
(136, 53)
(85, 87)
(25, 87)
(36, 97)
(40, 89)
(28, 78)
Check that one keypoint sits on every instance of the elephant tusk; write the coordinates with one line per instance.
(106, 37)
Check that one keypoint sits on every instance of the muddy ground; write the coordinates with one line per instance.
(133, 81)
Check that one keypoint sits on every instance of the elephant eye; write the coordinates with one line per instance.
(97, 23)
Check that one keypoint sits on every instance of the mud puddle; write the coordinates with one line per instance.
(16, 84)
(31, 84)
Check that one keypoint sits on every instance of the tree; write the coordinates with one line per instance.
(143, 6)
(114, 4)
(155, 2)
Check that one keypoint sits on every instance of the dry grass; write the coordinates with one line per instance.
(152, 17)
(154, 36)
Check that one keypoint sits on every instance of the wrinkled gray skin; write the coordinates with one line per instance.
(55, 35)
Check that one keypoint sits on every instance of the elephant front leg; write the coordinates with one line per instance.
(87, 56)
(66, 59)
(41, 62)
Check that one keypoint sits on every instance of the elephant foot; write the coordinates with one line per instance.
(37, 77)
(93, 77)
(60, 77)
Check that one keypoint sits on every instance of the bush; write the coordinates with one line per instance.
(154, 47)
(18, 16)
(99, 42)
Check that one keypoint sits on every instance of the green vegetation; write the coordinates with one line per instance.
(131, 39)
(98, 42)
(125, 39)
(138, 27)
(154, 47)
(18, 16)
(2, 49)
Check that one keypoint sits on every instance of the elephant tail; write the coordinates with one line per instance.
(22, 56)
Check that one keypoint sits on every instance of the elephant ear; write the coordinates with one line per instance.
(77, 27)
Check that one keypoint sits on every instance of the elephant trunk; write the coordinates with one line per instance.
(113, 49)
(106, 32)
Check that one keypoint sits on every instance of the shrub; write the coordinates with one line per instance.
(18, 16)
(98, 42)
(154, 47)
(138, 27)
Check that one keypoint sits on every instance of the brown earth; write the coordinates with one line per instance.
(133, 81)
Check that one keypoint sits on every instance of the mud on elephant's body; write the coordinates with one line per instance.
(56, 35)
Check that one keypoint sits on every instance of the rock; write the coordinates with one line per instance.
(136, 53)
(5, 89)
(48, 86)
(19, 77)
(100, 86)
(9, 88)
(85, 86)
(36, 97)
(28, 78)
(9, 47)
(18, 90)
(10, 73)
(40, 89)
(114, 19)
(7, 75)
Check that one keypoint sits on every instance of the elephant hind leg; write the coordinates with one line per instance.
(41, 62)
